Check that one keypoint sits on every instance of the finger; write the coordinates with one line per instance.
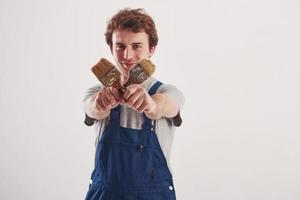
(115, 93)
(98, 102)
(129, 91)
(138, 104)
(122, 101)
(102, 106)
(105, 101)
(144, 106)
(134, 97)
(110, 97)
(98, 97)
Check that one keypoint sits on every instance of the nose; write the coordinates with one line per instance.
(128, 53)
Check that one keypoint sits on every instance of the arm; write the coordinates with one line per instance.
(165, 107)
(94, 111)
(98, 105)
(155, 106)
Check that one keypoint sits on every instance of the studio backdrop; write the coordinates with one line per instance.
(237, 63)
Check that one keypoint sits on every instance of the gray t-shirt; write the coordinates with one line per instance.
(129, 118)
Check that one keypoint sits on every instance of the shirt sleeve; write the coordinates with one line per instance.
(91, 91)
(174, 93)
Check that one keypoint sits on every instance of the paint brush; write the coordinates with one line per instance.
(140, 72)
(108, 75)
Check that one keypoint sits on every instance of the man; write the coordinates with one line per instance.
(135, 130)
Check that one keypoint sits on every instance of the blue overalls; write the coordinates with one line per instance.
(130, 164)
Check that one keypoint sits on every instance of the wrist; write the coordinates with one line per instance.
(152, 112)
(93, 110)
(156, 111)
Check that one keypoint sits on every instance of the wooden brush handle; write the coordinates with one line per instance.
(88, 120)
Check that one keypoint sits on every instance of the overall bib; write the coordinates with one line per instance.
(130, 164)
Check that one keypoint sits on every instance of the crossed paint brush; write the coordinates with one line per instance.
(109, 76)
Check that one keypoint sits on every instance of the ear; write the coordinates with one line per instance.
(152, 50)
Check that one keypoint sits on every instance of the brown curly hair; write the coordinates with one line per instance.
(135, 20)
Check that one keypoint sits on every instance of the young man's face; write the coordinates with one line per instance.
(128, 48)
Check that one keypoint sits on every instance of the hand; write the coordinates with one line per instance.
(138, 98)
(108, 98)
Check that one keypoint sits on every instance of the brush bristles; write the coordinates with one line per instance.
(140, 72)
(106, 73)
(102, 68)
(147, 66)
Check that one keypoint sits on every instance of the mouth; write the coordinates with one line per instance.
(128, 66)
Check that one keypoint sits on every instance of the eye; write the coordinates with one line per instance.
(119, 47)
(136, 46)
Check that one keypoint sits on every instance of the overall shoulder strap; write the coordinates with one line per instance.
(154, 87)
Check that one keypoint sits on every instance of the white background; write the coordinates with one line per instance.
(237, 62)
